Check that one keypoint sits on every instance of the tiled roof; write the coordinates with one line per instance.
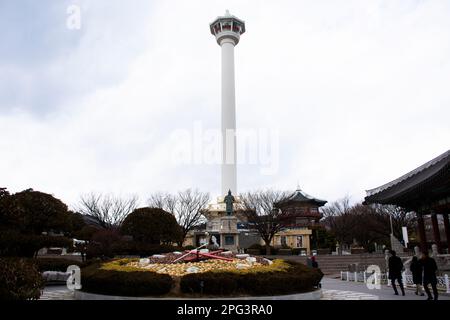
(301, 196)
(412, 178)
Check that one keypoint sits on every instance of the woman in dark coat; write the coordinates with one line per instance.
(416, 270)
(395, 272)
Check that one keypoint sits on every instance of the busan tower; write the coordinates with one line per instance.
(220, 225)
(227, 30)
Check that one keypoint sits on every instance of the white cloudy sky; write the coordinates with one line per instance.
(357, 90)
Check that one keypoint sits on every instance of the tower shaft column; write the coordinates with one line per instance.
(229, 175)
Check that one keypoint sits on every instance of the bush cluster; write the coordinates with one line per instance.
(254, 248)
(285, 252)
(20, 279)
(297, 251)
(94, 279)
(152, 225)
(142, 249)
(56, 264)
(257, 249)
(16, 244)
(127, 248)
(296, 278)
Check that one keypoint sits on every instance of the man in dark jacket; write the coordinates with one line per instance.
(416, 271)
(429, 275)
(395, 272)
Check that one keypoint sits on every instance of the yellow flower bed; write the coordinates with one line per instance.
(181, 269)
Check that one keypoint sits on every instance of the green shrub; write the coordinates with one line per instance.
(16, 244)
(51, 241)
(141, 249)
(296, 278)
(94, 279)
(262, 249)
(253, 251)
(298, 251)
(214, 283)
(152, 225)
(273, 250)
(56, 264)
(108, 244)
(19, 279)
(285, 252)
(255, 246)
(102, 244)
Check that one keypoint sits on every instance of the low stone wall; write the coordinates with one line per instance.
(55, 277)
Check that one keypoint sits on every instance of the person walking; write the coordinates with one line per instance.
(416, 271)
(395, 272)
(429, 275)
(314, 263)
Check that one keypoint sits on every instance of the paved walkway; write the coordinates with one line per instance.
(333, 289)
(336, 289)
(57, 293)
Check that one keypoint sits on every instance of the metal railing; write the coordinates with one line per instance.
(443, 282)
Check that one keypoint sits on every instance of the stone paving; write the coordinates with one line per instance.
(336, 289)
(332, 289)
(346, 295)
(57, 293)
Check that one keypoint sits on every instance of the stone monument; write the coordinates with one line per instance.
(222, 224)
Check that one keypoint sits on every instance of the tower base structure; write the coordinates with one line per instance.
(222, 226)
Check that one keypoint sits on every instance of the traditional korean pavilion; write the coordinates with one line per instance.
(426, 191)
(304, 209)
(303, 206)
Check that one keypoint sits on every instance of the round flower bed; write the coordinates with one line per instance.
(167, 275)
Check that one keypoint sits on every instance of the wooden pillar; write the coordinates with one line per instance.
(422, 237)
(447, 231)
(436, 235)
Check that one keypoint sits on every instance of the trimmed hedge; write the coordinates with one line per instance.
(127, 248)
(262, 249)
(15, 244)
(19, 279)
(253, 252)
(297, 278)
(141, 249)
(298, 251)
(280, 278)
(94, 279)
(285, 252)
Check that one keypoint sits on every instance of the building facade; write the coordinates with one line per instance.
(425, 191)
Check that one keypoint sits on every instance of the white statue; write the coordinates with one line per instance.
(417, 252)
(214, 241)
(434, 250)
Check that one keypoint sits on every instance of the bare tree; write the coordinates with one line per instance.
(260, 209)
(365, 224)
(400, 218)
(187, 207)
(340, 219)
(108, 210)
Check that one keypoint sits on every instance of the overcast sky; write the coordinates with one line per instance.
(355, 92)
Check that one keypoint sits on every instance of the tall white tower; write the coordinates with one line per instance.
(227, 30)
